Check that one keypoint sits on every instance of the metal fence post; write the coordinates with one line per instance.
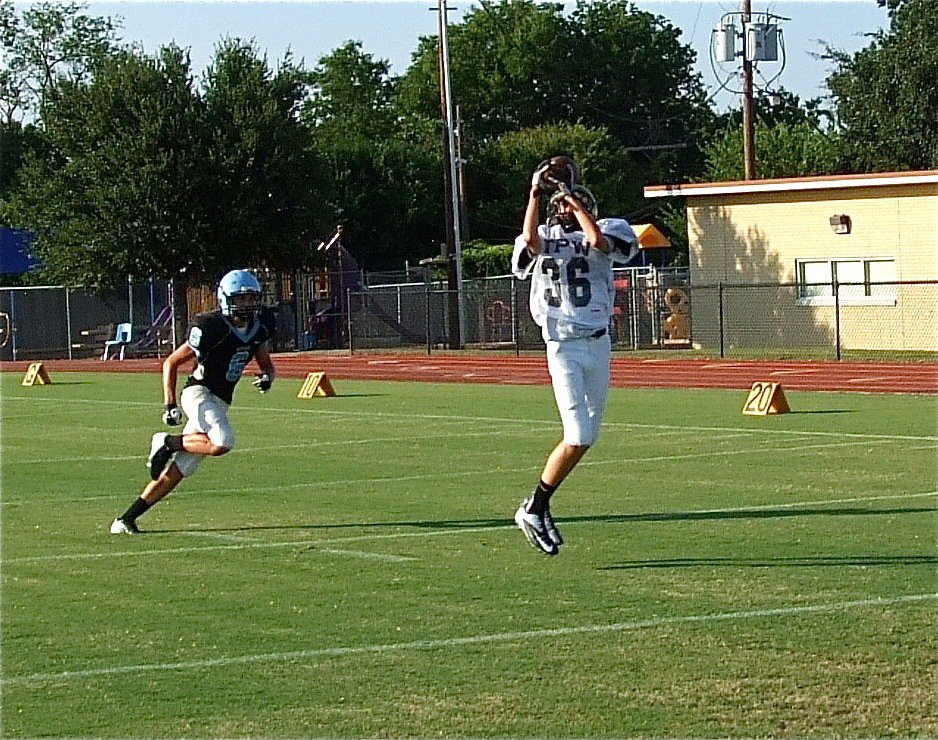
(348, 315)
(426, 304)
(720, 291)
(13, 323)
(514, 316)
(130, 301)
(68, 321)
(836, 287)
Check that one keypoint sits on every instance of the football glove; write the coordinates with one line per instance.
(172, 416)
(538, 181)
(557, 174)
(263, 382)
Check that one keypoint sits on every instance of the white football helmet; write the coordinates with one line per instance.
(239, 283)
(567, 220)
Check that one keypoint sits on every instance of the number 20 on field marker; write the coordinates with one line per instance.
(766, 398)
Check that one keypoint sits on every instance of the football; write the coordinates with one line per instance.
(562, 173)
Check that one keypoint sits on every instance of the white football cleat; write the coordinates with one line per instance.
(534, 529)
(119, 526)
(551, 526)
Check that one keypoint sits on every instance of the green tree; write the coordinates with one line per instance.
(793, 138)
(146, 176)
(782, 150)
(635, 79)
(17, 142)
(510, 66)
(524, 70)
(117, 193)
(886, 95)
(350, 97)
(519, 64)
(258, 203)
(45, 45)
(480, 259)
(377, 173)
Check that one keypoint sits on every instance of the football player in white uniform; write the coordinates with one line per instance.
(569, 261)
(222, 343)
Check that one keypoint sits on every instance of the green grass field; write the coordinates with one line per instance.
(352, 570)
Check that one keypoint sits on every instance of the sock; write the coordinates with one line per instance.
(174, 442)
(137, 508)
(541, 499)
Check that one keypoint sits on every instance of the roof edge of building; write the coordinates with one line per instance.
(824, 182)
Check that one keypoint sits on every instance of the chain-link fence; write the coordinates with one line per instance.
(55, 322)
(653, 310)
(896, 320)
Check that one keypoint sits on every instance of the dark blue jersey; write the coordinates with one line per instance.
(223, 349)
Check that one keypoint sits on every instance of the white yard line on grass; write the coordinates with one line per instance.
(319, 484)
(328, 550)
(307, 445)
(498, 471)
(314, 544)
(362, 554)
(397, 416)
(471, 640)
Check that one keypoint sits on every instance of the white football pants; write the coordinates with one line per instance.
(208, 414)
(579, 373)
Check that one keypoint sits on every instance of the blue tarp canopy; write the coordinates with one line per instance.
(15, 245)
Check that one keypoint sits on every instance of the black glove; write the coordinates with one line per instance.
(263, 382)
(171, 416)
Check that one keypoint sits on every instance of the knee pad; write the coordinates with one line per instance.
(187, 463)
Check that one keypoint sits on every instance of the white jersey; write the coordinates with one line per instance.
(571, 283)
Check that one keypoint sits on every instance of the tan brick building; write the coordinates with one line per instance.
(869, 233)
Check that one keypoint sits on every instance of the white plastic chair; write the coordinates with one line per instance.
(121, 339)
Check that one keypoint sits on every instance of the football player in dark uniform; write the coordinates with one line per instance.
(221, 343)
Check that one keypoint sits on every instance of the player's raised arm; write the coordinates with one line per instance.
(588, 225)
(529, 225)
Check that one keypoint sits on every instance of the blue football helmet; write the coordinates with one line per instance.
(239, 283)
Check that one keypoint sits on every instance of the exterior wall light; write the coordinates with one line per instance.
(840, 223)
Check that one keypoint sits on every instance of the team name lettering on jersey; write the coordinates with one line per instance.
(554, 246)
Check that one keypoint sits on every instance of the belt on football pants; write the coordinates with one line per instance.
(598, 334)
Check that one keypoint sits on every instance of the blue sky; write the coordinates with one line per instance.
(390, 31)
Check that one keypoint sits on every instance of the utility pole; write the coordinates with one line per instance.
(761, 42)
(749, 125)
(453, 227)
(461, 167)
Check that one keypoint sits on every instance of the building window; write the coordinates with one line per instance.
(869, 281)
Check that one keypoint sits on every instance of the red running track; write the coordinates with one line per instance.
(626, 372)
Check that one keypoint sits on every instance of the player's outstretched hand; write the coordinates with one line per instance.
(263, 382)
(171, 416)
(537, 179)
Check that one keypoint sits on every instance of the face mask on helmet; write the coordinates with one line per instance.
(239, 295)
(560, 214)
